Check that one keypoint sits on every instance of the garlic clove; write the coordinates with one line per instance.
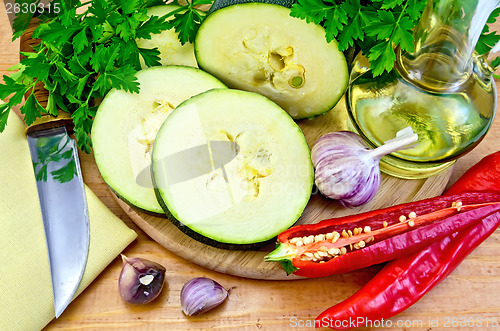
(200, 295)
(141, 280)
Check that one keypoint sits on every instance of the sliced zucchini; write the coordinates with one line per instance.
(232, 169)
(259, 47)
(126, 124)
(167, 42)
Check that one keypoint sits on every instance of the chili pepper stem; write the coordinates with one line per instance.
(282, 252)
(403, 139)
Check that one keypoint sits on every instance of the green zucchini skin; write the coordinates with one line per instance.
(182, 75)
(322, 63)
(172, 216)
(205, 240)
(218, 4)
(131, 205)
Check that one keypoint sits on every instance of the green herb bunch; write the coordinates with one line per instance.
(87, 49)
(374, 27)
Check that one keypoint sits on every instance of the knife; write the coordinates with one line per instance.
(61, 194)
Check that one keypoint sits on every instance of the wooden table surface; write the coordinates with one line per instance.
(471, 290)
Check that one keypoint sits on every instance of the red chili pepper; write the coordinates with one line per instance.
(404, 281)
(484, 176)
(353, 242)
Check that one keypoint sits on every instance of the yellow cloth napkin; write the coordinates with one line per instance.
(25, 287)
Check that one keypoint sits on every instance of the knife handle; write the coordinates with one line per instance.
(46, 121)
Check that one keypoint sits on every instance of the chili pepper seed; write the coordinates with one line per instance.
(355, 231)
(336, 236)
(323, 248)
(367, 229)
(412, 215)
(345, 234)
(411, 223)
(322, 254)
(402, 218)
(349, 232)
(319, 237)
(343, 250)
(334, 251)
(333, 236)
(384, 224)
(294, 240)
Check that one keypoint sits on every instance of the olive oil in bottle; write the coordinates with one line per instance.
(442, 90)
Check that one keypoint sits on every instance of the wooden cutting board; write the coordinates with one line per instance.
(250, 264)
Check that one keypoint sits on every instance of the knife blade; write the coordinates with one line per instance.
(61, 194)
(64, 210)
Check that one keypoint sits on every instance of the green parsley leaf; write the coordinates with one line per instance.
(151, 57)
(335, 22)
(22, 20)
(51, 105)
(488, 39)
(87, 49)
(9, 87)
(80, 41)
(402, 34)
(154, 25)
(123, 79)
(55, 33)
(312, 11)
(187, 23)
(128, 6)
(389, 4)
(30, 110)
(374, 27)
(82, 135)
(382, 57)
(415, 9)
(37, 67)
(353, 31)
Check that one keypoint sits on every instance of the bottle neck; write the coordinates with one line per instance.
(445, 39)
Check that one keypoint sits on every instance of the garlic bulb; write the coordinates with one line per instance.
(347, 170)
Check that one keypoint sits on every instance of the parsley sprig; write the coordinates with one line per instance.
(86, 49)
(375, 27)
